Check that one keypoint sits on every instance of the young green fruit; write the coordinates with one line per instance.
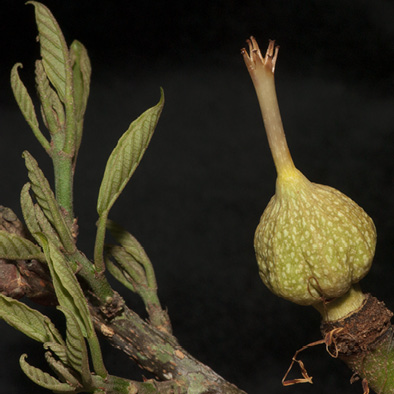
(313, 242)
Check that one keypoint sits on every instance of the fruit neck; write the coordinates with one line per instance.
(342, 306)
(261, 70)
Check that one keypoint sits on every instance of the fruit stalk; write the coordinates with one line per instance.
(261, 70)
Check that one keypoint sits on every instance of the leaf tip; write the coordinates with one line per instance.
(162, 97)
(25, 154)
(17, 65)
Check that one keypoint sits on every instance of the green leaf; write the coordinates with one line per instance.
(15, 247)
(119, 274)
(46, 227)
(52, 108)
(135, 271)
(54, 51)
(29, 321)
(59, 350)
(67, 288)
(47, 201)
(135, 251)
(23, 98)
(61, 370)
(28, 211)
(35, 219)
(126, 156)
(130, 243)
(42, 378)
(42, 190)
(82, 71)
(77, 354)
(71, 297)
(26, 106)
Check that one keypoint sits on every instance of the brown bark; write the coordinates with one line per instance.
(159, 353)
(364, 341)
(23, 278)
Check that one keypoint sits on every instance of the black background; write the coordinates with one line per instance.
(207, 176)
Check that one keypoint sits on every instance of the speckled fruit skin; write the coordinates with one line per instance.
(312, 242)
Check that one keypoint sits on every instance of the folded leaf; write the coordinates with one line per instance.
(59, 350)
(67, 288)
(126, 156)
(133, 270)
(15, 247)
(81, 83)
(46, 227)
(26, 106)
(77, 354)
(62, 371)
(52, 108)
(54, 51)
(129, 242)
(35, 219)
(43, 379)
(71, 297)
(27, 206)
(135, 251)
(119, 274)
(82, 71)
(23, 98)
(29, 321)
(47, 201)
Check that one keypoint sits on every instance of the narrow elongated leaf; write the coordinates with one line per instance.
(136, 253)
(42, 378)
(77, 353)
(46, 227)
(35, 219)
(81, 83)
(29, 321)
(15, 247)
(26, 106)
(62, 371)
(71, 297)
(41, 189)
(47, 201)
(82, 71)
(59, 350)
(135, 271)
(54, 51)
(130, 243)
(52, 108)
(126, 156)
(119, 274)
(67, 288)
(27, 206)
(23, 98)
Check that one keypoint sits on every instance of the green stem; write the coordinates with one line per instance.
(157, 315)
(98, 283)
(376, 367)
(63, 170)
(99, 243)
(64, 151)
